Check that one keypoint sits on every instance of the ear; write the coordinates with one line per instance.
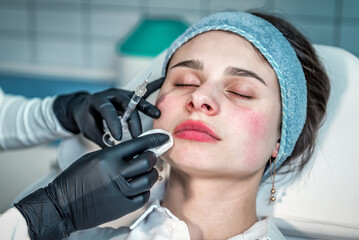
(276, 150)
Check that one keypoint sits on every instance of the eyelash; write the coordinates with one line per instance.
(185, 85)
(193, 85)
(240, 95)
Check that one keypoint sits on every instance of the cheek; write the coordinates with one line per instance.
(165, 103)
(255, 133)
(257, 123)
(161, 97)
(252, 122)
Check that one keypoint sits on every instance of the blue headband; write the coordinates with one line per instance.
(280, 55)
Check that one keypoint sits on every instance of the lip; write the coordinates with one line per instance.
(195, 131)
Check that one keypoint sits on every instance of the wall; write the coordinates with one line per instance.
(78, 37)
(20, 168)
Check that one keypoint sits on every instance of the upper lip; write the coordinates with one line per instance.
(193, 125)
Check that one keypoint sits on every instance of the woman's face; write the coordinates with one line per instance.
(221, 102)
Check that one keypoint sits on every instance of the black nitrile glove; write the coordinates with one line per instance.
(97, 188)
(84, 112)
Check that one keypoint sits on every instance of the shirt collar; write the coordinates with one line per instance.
(155, 205)
(264, 229)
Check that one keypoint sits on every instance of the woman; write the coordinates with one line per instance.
(244, 95)
(221, 100)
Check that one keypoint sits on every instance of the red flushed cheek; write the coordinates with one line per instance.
(253, 128)
(257, 123)
(161, 99)
(254, 123)
(166, 103)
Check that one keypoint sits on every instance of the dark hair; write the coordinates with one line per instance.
(318, 88)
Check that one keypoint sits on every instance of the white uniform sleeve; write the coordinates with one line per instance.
(13, 225)
(27, 122)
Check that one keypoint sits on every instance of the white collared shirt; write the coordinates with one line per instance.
(158, 223)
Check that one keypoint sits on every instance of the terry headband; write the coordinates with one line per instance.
(280, 55)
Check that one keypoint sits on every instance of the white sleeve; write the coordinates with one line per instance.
(13, 225)
(27, 122)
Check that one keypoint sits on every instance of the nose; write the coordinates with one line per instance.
(202, 100)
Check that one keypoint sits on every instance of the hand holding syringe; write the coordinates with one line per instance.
(139, 93)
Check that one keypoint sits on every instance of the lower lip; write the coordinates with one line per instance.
(195, 136)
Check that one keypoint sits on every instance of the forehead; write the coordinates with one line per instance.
(219, 42)
(220, 50)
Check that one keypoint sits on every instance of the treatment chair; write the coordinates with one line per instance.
(321, 203)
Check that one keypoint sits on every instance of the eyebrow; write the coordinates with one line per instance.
(193, 63)
(230, 70)
(235, 71)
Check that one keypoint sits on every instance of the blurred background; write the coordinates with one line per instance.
(49, 47)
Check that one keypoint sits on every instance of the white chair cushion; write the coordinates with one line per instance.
(322, 202)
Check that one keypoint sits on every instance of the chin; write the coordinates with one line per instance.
(188, 159)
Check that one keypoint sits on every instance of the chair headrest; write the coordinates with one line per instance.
(322, 202)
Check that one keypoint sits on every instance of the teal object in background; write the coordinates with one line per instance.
(150, 37)
(43, 86)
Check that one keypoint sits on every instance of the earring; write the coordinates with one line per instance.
(160, 169)
(272, 170)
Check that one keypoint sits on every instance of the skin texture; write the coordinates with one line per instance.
(218, 79)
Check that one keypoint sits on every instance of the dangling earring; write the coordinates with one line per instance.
(160, 168)
(272, 171)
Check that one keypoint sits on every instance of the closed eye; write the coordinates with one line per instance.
(240, 95)
(185, 85)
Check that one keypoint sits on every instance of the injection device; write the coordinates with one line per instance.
(136, 97)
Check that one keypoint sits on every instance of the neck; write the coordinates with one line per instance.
(228, 204)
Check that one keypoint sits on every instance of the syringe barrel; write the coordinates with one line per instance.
(131, 107)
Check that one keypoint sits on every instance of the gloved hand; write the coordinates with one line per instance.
(97, 188)
(84, 112)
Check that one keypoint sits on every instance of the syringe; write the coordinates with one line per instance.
(135, 99)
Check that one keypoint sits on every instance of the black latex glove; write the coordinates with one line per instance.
(84, 112)
(97, 188)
